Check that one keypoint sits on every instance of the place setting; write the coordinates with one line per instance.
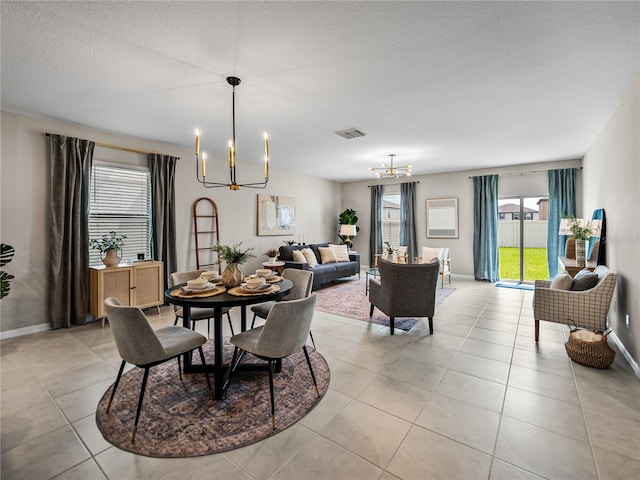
(207, 284)
(261, 283)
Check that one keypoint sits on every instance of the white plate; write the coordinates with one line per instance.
(259, 289)
(208, 287)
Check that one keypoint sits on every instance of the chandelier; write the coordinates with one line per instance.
(201, 160)
(389, 171)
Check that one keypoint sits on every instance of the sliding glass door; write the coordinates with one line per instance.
(522, 236)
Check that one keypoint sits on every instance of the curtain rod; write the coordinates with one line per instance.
(530, 172)
(116, 147)
(384, 184)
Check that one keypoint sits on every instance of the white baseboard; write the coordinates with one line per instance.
(632, 363)
(18, 332)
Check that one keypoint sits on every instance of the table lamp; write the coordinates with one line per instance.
(348, 231)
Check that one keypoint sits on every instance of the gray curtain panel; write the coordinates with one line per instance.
(485, 231)
(562, 203)
(408, 235)
(71, 160)
(375, 239)
(163, 212)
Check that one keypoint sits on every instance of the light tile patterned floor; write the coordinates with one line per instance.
(476, 400)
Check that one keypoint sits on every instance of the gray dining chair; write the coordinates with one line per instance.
(196, 313)
(143, 347)
(302, 284)
(284, 333)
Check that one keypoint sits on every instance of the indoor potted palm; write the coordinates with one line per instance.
(109, 245)
(233, 256)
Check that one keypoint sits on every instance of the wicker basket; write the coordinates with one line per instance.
(589, 348)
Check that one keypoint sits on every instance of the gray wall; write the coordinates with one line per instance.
(612, 182)
(24, 177)
(454, 184)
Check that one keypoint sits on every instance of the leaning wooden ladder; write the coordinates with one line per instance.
(206, 233)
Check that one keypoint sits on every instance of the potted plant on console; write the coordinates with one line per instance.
(582, 232)
(109, 246)
(234, 256)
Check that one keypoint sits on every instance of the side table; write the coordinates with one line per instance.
(277, 267)
(374, 272)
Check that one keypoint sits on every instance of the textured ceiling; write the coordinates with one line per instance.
(443, 85)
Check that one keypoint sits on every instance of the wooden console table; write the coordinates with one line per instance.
(570, 266)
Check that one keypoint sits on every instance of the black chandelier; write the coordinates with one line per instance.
(201, 163)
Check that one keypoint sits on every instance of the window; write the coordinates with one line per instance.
(391, 218)
(120, 200)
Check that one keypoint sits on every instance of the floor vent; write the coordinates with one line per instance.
(351, 133)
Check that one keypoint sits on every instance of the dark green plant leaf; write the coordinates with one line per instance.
(5, 284)
(6, 253)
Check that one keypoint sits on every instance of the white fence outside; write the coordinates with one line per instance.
(535, 233)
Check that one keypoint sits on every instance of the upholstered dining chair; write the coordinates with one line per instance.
(284, 333)
(143, 347)
(302, 283)
(442, 254)
(196, 314)
(405, 290)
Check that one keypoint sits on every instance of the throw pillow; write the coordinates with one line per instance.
(327, 255)
(298, 256)
(584, 280)
(310, 257)
(342, 253)
(563, 281)
(428, 254)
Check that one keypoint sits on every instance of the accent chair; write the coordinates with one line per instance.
(405, 290)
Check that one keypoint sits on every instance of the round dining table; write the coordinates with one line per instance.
(217, 303)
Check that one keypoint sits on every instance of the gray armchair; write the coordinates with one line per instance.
(586, 308)
(405, 290)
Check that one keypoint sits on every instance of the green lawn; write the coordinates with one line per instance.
(535, 263)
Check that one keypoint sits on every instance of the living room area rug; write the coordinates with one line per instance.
(179, 418)
(348, 298)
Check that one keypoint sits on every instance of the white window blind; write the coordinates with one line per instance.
(391, 218)
(121, 201)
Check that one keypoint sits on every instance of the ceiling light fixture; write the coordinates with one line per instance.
(389, 171)
(201, 161)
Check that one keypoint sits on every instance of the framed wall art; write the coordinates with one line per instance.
(276, 215)
(442, 217)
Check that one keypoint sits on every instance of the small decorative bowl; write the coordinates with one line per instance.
(264, 272)
(197, 283)
(254, 283)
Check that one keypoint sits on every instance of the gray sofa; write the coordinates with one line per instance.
(323, 274)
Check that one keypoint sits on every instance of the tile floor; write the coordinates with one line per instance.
(476, 400)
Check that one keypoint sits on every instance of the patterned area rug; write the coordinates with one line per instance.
(347, 298)
(179, 418)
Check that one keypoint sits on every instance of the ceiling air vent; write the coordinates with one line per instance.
(351, 133)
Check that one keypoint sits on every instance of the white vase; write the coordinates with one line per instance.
(581, 252)
(272, 260)
(232, 276)
(111, 258)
